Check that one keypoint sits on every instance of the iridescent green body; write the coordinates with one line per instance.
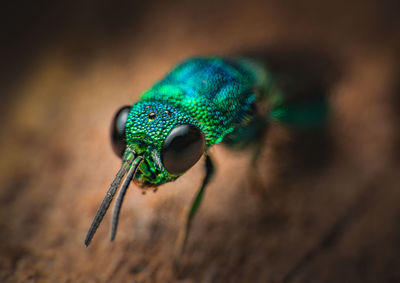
(213, 94)
(201, 102)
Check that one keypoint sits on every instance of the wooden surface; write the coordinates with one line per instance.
(320, 207)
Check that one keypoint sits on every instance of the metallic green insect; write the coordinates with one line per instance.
(201, 102)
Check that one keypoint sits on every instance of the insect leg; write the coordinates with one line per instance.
(185, 229)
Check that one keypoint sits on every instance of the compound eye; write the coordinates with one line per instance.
(182, 148)
(118, 139)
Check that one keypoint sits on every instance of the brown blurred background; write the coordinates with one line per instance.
(318, 207)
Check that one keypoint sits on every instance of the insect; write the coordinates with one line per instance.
(200, 103)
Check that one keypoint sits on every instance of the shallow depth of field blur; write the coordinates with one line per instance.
(318, 207)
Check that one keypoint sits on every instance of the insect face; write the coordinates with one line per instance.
(169, 142)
